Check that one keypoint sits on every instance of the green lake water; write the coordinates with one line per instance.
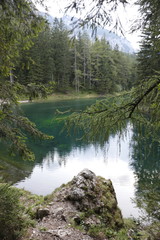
(133, 165)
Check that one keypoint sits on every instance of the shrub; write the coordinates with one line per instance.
(11, 215)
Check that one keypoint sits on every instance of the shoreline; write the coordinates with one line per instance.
(58, 97)
(70, 215)
(68, 96)
(23, 101)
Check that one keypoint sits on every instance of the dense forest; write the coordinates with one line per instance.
(63, 62)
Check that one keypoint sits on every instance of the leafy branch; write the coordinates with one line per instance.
(13, 126)
(111, 115)
(99, 14)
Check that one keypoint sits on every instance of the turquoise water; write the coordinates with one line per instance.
(59, 160)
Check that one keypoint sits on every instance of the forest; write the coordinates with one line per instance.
(64, 63)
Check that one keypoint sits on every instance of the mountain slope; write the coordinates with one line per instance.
(114, 40)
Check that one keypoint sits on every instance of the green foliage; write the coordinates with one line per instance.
(102, 119)
(145, 152)
(99, 13)
(17, 211)
(80, 63)
(111, 115)
(30, 203)
(18, 24)
(149, 55)
(13, 126)
(12, 220)
(33, 91)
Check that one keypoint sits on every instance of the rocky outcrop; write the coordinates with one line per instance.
(83, 209)
(95, 197)
(42, 212)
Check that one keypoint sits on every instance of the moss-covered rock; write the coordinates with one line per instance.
(95, 201)
(85, 208)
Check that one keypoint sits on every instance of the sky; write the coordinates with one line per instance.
(127, 15)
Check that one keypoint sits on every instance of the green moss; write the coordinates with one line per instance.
(84, 215)
(97, 230)
(42, 229)
(77, 226)
(51, 196)
(2, 167)
(30, 203)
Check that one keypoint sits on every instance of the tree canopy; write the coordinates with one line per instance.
(19, 24)
(75, 64)
(142, 103)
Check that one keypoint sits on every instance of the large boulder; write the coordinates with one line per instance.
(96, 198)
(83, 209)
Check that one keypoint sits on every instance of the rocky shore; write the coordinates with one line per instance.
(83, 209)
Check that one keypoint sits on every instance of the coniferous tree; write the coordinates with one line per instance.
(145, 97)
(102, 67)
(61, 55)
(19, 24)
(36, 64)
(81, 64)
(86, 52)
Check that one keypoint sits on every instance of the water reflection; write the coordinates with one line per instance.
(146, 164)
(133, 168)
(109, 162)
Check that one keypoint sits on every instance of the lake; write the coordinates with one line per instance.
(131, 163)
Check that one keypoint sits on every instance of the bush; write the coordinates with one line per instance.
(11, 215)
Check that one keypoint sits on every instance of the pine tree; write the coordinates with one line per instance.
(61, 55)
(19, 24)
(36, 64)
(102, 67)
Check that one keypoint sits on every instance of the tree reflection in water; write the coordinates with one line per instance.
(146, 164)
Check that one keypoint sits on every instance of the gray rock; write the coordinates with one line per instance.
(42, 212)
(87, 174)
(87, 201)
(92, 220)
(58, 211)
(77, 219)
(76, 194)
(94, 194)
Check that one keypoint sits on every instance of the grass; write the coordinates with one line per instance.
(67, 96)
(131, 229)
(72, 95)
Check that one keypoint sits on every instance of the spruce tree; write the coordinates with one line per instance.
(19, 24)
(61, 55)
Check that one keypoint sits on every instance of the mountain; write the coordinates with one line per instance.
(114, 40)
